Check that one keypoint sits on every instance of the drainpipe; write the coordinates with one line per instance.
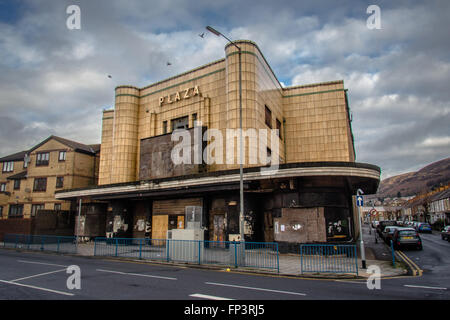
(78, 224)
(284, 139)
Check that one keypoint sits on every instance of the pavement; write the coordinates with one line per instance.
(376, 254)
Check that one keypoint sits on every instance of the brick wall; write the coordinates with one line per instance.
(19, 226)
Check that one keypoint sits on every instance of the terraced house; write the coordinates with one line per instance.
(309, 198)
(30, 178)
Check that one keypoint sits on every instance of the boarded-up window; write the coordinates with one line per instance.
(279, 128)
(180, 123)
(268, 117)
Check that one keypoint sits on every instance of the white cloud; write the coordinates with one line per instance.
(53, 80)
(437, 142)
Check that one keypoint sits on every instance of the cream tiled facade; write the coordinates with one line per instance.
(313, 119)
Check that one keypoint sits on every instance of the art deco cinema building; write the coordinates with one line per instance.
(142, 192)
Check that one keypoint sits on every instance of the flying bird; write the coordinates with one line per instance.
(169, 64)
(109, 76)
(202, 35)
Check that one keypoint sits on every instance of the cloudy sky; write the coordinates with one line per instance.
(54, 80)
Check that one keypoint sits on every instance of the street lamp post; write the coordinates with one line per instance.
(241, 151)
(78, 223)
(363, 253)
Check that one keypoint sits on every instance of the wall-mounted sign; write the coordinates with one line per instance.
(179, 95)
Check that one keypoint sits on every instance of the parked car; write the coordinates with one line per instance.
(407, 238)
(388, 233)
(384, 224)
(445, 233)
(424, 227)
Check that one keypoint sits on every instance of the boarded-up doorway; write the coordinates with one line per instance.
(219, 227)
(300, 225)
(160, 225)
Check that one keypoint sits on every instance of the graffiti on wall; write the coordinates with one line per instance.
(337, 228)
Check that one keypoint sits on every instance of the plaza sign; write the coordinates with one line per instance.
(179, 95)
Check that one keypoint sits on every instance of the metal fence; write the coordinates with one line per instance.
(59, 244)
(261, 255)
(328, 258)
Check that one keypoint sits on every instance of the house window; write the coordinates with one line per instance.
(35, 208)
(62, 156)
(180, 123)
(17, 184)
(268, 117)
(3, 187)
(42, 159)
(26, 160)
(1, 212)
(164, 127)
(59, 182)
(40, 184)
(8, 166)
(279, 128)
(194, 119)
(57, 207)
(15, 211)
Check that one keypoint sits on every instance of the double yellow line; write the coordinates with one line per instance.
(416, 271)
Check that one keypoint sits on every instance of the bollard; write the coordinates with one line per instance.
(199, 252)
(393, 253)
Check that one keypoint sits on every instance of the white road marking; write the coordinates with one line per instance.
(258, 289)
(348, 281)
(204, 296)
(37, 275)
(46, 264)
(425, 287)
(137, 274)
(38, 288)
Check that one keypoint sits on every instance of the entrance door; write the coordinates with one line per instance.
(219, 227)
(160, 225)
(180, 222)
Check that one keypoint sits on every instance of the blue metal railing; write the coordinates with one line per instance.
(235, 254)
(59, 244)
(328, 258)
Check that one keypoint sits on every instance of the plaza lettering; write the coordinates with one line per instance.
(179, 95)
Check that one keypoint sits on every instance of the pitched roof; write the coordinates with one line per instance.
(441, 195)
(77, 146)
(19, 156)
(18, 176)
(95, 147)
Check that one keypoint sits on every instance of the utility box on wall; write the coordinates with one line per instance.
(187, 244)
(181, 249)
